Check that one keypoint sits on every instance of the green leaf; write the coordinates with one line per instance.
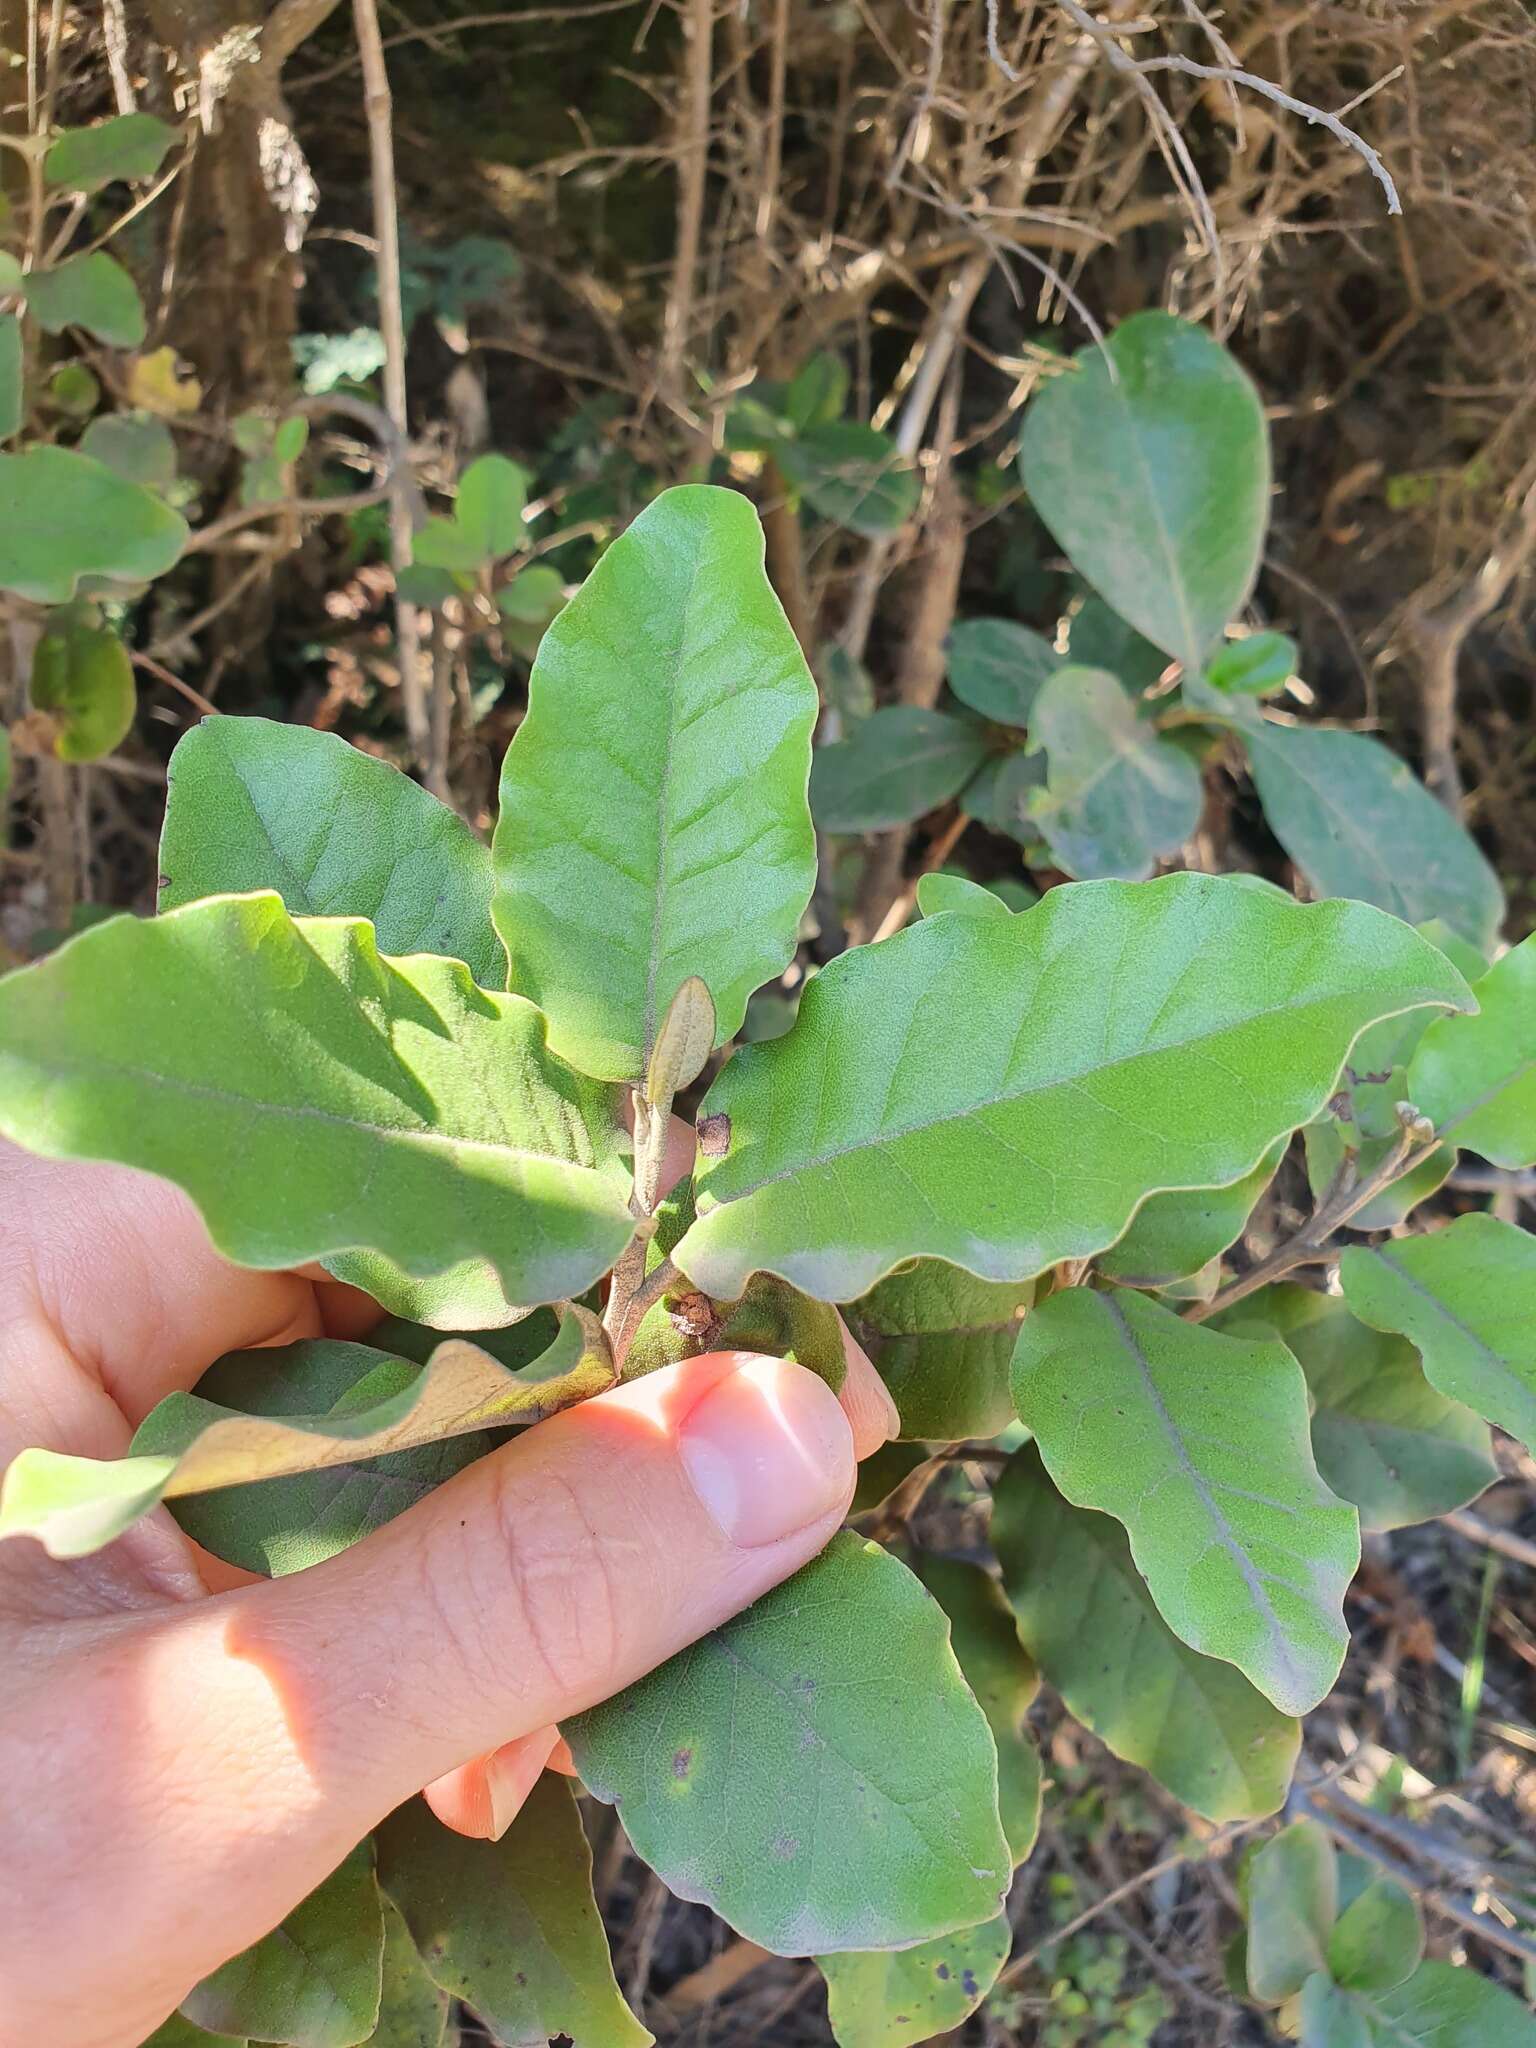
(1162, 1424)
(74, 389)
(1378, 1065)
(180, 2033)
(1003, 793)
(337, 833)
(1172, 1236)
(13, 409)
(413, 2012)
(1087, 1619)
(315, 1980)
(1150, 464)
(1117, 795)
(899, 763)
(853, 475)
(385, 1104)
(939, 892)
(489, 507)
(1255, 666)
(82, 675)
(892, 1999)
(135, 446)
(1381, 1435)
(511, 1927)
(1329, 2017)
(1477, 1083)
(129, 146)
(442, 547)
(846, 684)
(534, 595)
(1292, 1893)
(290, 437)
(942, 1341)
(985, 1091)
(654, 821)
(817, 392)
(1100, 638)
(997, 668)
(998, 1670)
(1378, 1939)
(189, 1444)
(1466, 1296)
(1358, 822)
(821, 1787)
(63, 516)
(1443, 2007)
(91, 292)
(276, 1526)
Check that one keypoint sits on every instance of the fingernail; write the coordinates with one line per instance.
(768, 1450)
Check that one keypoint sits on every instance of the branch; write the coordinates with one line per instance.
(1345, 1199)
(1443, 635)
(1228, 74)
(386, 227)
(692, 163)
(290, 23)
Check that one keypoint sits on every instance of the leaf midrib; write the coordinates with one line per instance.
(663, 808)
(1226, 1537)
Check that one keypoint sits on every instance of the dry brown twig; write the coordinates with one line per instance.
(379, 110)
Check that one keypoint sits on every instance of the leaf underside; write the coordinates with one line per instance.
(1089, 1622)
(1466, 1297)
(1199, 1444)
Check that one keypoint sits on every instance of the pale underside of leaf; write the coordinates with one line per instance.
(1004, 1093)
(1199, 1444)
(1466, 1298)
(189, 1445)
(1087, 1618)
(1478, 1082)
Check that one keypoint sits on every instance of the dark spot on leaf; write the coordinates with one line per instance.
(715, 1135)
(804, 1687)
(561, 2041)
(785, 1846)
(682, 1763)
(519, 1979)
(941, 1970)
(968, 1984)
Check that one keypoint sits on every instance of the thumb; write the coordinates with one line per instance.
(535, 1583)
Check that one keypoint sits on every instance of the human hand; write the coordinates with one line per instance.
(183, 1765)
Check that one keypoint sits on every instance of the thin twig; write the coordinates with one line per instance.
(1310, 1244)
(1216, 1845)
(692, 163)
(1122, 61)
(162, 674)
(379, 109)
(1476, 1530)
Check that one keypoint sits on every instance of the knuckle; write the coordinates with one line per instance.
(554, 1617)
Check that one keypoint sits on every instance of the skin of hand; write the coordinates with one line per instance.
(183, 1764)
